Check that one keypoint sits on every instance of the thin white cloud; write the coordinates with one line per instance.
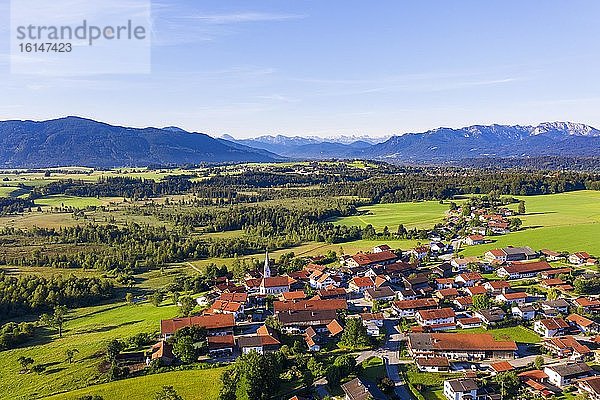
(241, 17)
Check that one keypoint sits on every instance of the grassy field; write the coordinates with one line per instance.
(519, 334)
(561, 222)
(418, 214)
(191, 385)
(88, 330)
(71, 201)
(373, 369)
(433, 383)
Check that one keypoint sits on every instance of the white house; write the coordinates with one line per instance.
(512, 298)
(564, 374)
(550, 327)
(321, 280)
(437, 319)
(459, 389)
(523, 312)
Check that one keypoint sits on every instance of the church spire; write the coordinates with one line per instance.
(267, 269)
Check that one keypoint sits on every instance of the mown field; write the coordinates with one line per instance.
(519, 334)
(87, 330)
(561, 222)
(423, 214)
(191, 385)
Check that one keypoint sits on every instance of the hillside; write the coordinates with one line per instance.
(84, 142)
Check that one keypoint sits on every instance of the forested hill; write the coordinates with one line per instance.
(84, 142)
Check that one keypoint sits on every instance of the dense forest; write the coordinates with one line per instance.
(30, 293)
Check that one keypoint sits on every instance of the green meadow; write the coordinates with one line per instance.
(88, 330)
(561, 222)
(69, 201)
(191, 385)
(413, 215)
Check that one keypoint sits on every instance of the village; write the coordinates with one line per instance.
(513, 316)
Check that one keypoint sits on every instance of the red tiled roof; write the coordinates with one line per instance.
(220, 342)
(275, 281)
(470, 276)
(568, 342)
(362, 281)
(433, 362)
(469, 342)
(414, 304)
(476, 290)
(217, 321)
(226, 306)
(296, 295)
(502, 366)
(527, 267)
(552, 282)
(554, 323)
(372, 316)
(515, 295)
(464, 301)
(469, 320)
(334, 327)
(579, 320)
(315, 305)
(372, 258)
(497, 285)
(535, 374)
(436, 313)
(450, 292)
(236, 297)
(585, 302)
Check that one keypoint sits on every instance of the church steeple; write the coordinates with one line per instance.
(267, 269)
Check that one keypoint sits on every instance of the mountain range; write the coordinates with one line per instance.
(84, 142)
(77, 141)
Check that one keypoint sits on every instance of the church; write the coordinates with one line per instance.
(272, 285)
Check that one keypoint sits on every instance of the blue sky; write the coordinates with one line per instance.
(330, 67)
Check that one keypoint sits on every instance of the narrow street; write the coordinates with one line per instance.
(392, 360)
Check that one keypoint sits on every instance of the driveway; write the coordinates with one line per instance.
(392, 361)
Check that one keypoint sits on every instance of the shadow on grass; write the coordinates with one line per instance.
(107, 328)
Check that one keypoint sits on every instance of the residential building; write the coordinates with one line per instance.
(383, 293)
(585, 325)
(524, 312)
(512, 297)
(473, 240)
(370, 259)
(220, 346)
(590, 386)
(460, 389)
(433, 364)
(436, 319)
(492, 316)
(567, 347)
(266, 340)
(215, 325)
(312, 305)
(520, 270)
(550, 327)
(360, 284)
(579, 258)
(565, 374)
(357, 389)
(468, 279)
(407, 308)
(298, 321)
(460, 346)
